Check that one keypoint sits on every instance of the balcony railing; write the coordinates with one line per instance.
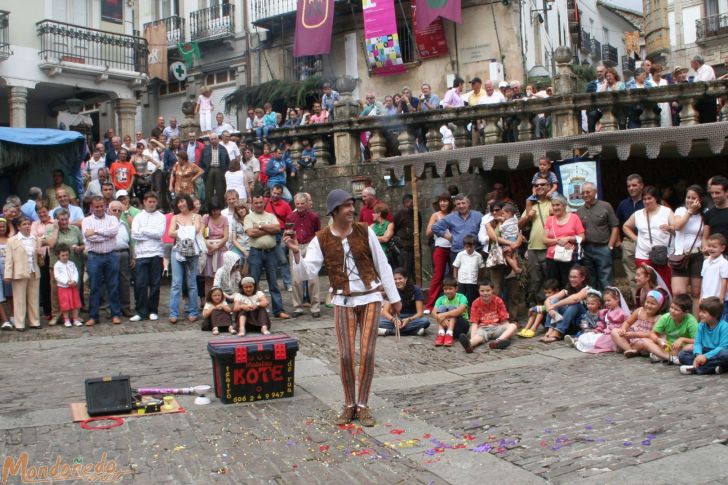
(392, 136)
(4, 35)
(62, 43)
(264, 9)
(216, 22)
(175, 29)
(709, 27)
(586, 43)
(609, 55)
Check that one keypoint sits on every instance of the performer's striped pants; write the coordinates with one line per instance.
(347, 321)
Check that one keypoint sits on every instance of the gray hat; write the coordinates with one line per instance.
(336, 198)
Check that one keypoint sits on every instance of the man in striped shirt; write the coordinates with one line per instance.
(100, 230)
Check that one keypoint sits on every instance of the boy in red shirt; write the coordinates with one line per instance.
(489, 321)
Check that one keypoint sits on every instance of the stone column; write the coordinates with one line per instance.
(240, 80)
(126, 109)
(564, 121)
(18, 106)
(346, 143)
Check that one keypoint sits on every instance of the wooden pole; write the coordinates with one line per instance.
(416, 210)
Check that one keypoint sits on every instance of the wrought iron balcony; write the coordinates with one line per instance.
(175, 29)
(586, 43)
(264, 9)
(710, 27)
(90, 51)
(4, 35)
(216, 22)
(609, 55)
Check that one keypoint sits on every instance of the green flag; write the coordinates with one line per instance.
(190, 51)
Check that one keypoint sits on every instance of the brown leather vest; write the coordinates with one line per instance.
(333, 251)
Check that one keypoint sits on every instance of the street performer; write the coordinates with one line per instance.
(358, 271)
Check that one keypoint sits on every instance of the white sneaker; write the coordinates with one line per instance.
(153, 316)
(135, 318)
(654, 358)
(570, 340)
(78, 323)
(67, 324)
(718, 370)
(674, 360)
(427, 312)
(382, 332)
(687, 369)
(420, 332)
(7, 326)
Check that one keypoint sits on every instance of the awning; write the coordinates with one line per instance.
(38, 136)
(653, 142)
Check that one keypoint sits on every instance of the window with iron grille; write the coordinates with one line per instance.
(406, 41)
(302, 68)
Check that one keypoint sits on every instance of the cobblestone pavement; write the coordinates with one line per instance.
(530, 414)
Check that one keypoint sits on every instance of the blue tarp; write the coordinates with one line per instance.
(39, 136)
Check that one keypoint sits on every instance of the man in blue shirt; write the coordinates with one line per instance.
(458, 224)
(28, 209)
(276, 170)
(625, 209)
(64, 201)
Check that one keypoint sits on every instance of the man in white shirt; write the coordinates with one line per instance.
(706, 106)
(121, 249)
(492, 95)
(222, 125)
(147, 230)
(358, 270)
(230, 146)
(231, 198)
(172, 131)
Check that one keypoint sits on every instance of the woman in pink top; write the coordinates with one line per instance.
(562, 236)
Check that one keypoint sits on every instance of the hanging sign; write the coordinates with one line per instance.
(384, 54)
(430, 39)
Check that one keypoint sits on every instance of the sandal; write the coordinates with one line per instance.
(629, 353)
(215, 331)
(548, 340)
(232, 330)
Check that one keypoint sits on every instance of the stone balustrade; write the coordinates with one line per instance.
(339, 142)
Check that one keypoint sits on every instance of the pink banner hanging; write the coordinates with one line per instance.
(384, 54)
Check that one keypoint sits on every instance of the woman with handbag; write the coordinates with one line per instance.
(184, 228)
(687, 260)
(651, 228)
(563, 232)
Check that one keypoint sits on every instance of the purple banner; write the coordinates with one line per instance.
(314, 21)
(384, 54)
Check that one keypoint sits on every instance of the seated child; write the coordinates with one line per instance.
(674, 332)
(308, 155)
(590, 320)
(710, 351)
(489, 320)
(467, 266)
(411, 319)
(509, 236)
(610, 318)
(537, 313)
(251, 306)
(544, 172)
(450, 313)
(637, 329)
(216, 313)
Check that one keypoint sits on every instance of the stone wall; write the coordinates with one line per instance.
(321, 180)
